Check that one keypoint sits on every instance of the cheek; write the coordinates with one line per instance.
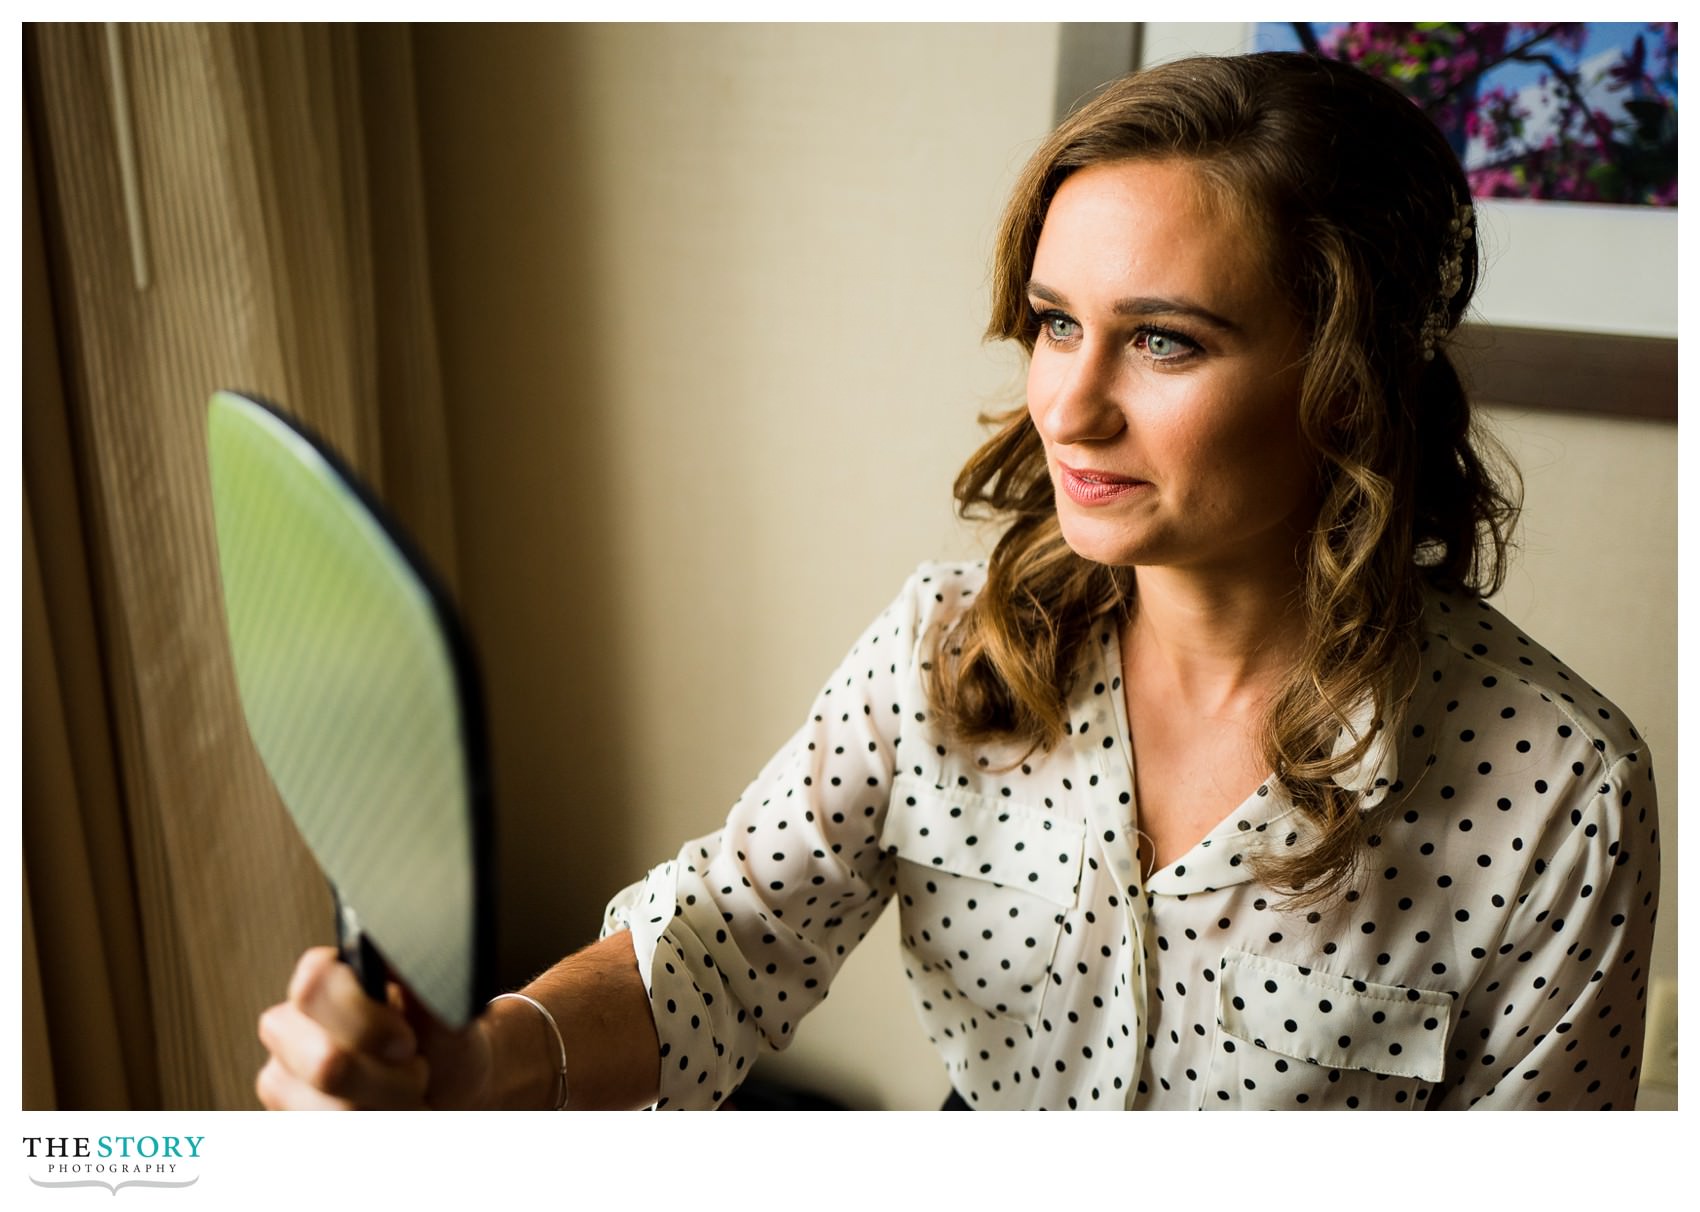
(1041, 390)
(1276, 456)
(1210, 442)
(1255, 450)
(1038, 378)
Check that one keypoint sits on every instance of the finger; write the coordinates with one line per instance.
(280, 1090)
(311, 1054)
(326, 989)
(308, 968)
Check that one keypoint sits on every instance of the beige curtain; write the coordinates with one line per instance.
(206, 206)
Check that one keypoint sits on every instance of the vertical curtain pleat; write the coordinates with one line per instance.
(413, 432)
(83, 936)
(252, 165)
(37, 1078)
(71, 974)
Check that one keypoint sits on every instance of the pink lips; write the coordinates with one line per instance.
(1086, 487)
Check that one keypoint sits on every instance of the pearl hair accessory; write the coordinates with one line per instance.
(1438, 322)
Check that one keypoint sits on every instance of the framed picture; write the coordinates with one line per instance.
(1577, 309)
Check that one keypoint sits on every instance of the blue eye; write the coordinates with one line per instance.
(1059, 327)
(1161, 346)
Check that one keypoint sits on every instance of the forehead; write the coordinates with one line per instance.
(1152, 224)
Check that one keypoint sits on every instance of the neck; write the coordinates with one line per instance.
(1216, 645)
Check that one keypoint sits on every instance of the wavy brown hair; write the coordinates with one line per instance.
(1354, 194)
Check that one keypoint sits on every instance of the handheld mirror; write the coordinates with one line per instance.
(362, 698)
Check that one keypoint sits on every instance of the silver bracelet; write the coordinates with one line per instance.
(560, 1047)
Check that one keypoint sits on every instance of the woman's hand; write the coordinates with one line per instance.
(334, 1048)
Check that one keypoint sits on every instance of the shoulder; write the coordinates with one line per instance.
(933, 598)
(1483, 670)
(938, 592)
(1510, 762)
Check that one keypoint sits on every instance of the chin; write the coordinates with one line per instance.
(1104, 544)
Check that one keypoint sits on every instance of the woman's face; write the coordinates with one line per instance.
(1165, 377)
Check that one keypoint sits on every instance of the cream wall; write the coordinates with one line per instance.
(710, 302)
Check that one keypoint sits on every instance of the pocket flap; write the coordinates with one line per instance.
(1334, 1020)
(967, 834)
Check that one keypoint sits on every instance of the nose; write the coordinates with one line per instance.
(1073, 396)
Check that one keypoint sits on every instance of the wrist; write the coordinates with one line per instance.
(481, 1093)
(463, 1067)
(527, 1059)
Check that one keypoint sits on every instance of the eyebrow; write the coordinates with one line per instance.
(1145, 305)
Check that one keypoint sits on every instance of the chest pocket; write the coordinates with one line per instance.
(983, 887)
(1290, 1037)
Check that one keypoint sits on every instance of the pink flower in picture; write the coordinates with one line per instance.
(1535, 110)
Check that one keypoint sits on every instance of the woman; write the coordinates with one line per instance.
(1217, 785)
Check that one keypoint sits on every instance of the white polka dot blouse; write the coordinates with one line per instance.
(1493, 953)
